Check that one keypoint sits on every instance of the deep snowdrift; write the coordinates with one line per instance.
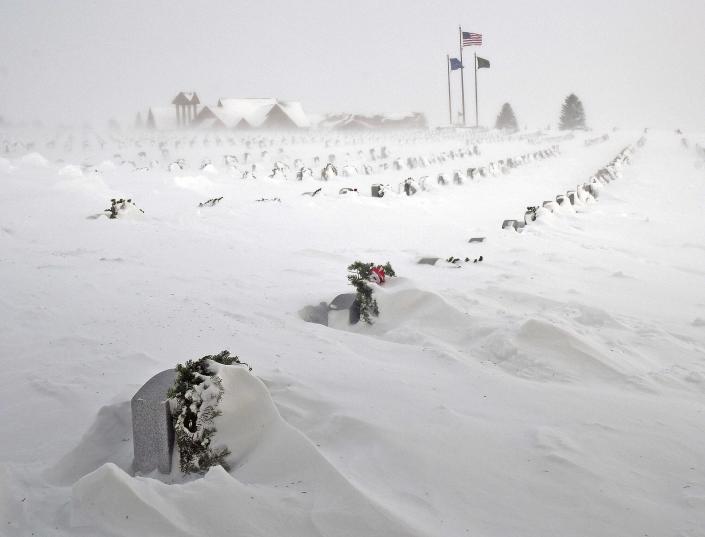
(557, 387)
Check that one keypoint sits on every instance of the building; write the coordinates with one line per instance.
(253, 113)
(414, 120)
(186, 105)
(266, 113)
(228, 113)
(182, 114)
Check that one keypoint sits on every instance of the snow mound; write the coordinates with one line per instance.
(71, 170)
(280, 484)
(535, 349)
(74, 179)
(34, 160)
(413, 316)
(106, 166)
(5, 166)
(549, 351)
(196, 183)
(109, 440)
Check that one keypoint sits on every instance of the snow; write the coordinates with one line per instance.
(556, 388)
(295, 111)
(163, 117)
(254, 110)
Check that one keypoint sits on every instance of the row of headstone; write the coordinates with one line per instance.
(329, 171)
(232, 162)
(557, 139)
(699, 149)
(411, 186)
(598, 140)
(584, 193)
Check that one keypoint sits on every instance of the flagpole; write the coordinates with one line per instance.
(462, 72)
(450, 109)
(477, 123)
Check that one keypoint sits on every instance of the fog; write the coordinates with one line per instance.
(632, 63)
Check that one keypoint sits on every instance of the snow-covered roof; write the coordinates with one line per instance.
(226, 117)
(296, 112)
(212, 123)
(361, 121)
(256, 111)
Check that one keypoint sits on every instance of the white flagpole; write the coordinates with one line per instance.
(450, 109)
(477, 122)
(462, 73)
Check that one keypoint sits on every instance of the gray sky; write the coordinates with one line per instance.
(633, 63)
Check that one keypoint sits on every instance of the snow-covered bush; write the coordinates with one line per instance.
(194, 398)
(211, 202)
(121, 207)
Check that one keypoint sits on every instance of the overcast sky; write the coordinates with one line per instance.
(633, 63)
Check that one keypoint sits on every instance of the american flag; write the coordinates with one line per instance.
(470, 38)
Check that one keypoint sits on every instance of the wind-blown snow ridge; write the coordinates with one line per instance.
(280, 484)
(563, 376)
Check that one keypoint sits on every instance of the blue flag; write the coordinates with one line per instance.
(455, 64)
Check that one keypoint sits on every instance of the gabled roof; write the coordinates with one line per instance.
(207, 114)
(264, 112)
(413, 120)
(212, 123)
(186, 98)
(296, 113)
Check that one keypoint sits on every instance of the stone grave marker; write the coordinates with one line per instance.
(152, 428)
(347, 301)
(428, 260)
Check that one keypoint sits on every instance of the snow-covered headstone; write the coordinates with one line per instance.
(152, 428)
(345, 307)
(377, 191)
(347, 302)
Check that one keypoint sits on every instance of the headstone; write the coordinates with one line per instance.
(377, 191)
(508, 224)
(571, 196)
(428, 260)
(152, 428)
(347, 301)
(583, 192)
(409, 188)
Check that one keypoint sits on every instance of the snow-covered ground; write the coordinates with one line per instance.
(556, 388)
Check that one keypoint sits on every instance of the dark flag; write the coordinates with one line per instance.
(455, 64)
(482, 63)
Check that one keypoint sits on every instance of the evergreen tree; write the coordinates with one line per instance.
(572, 114)
(506, 118)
